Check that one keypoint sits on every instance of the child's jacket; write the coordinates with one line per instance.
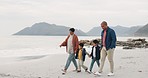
(83, 54)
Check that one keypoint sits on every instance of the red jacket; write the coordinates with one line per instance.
(74, 41)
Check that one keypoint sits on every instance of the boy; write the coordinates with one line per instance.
(95, 55)
(80, 55)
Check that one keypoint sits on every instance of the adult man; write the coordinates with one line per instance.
(108, 45)
(71, 44)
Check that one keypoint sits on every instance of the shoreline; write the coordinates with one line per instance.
(128, 63)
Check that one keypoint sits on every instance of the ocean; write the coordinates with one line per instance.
(16, 46)
(20, 48)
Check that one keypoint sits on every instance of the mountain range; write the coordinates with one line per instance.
(47, 29)
(143, 31)
(120, 30)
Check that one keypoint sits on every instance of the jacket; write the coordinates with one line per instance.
(83, 54)
(110, 41)
(75, 43)
(97, 52)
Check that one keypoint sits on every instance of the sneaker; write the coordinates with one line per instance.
(75, 70)
(98, 73)
(63, 72)
(111, 74)
(89, 72)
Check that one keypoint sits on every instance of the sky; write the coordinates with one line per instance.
(81, 14)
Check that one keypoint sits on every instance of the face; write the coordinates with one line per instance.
(103, 26)
(80, 47)
(93, 44)
(71, 33)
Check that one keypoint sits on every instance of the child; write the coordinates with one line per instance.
(95, 54)
(80, 55)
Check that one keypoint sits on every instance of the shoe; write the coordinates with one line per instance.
(98, 73)
(86, 70)
(63, 71)
(78, 71)
(111, 74)
(89, 72)
(75, 70)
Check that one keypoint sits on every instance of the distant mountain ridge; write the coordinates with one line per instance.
(120, 30)
(143, 31)
(46, 29)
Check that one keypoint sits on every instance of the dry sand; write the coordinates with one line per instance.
(128, 64)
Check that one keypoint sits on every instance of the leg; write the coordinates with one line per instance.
(84, 67)
(68, 61)
(92, 64)
(103, 57)
(79, 66)
(74, 61)
(110, 54)
(98, 63)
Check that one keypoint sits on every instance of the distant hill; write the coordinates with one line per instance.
(96, 31)
(120, 30)
(132, 30)
(142, 31)
(44, 28)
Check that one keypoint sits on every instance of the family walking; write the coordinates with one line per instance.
(98, 53)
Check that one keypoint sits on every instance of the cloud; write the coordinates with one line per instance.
(82, 14)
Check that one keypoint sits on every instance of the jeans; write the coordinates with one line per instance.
(92, 63)
(71, 58)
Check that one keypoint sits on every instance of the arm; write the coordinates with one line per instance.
(76, 44)
(91, 52)
(101, 39)
(77, 54)
(113, 37)
(65, 42)
(87, 53)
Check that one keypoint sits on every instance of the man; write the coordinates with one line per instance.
(108, 45)
(72, 45)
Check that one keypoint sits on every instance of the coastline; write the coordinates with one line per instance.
(128, 64)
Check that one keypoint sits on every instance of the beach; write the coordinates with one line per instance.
(128, 64)
(41, 57)
(45, 38)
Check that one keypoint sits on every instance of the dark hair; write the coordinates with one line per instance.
(95, 41)
(81, 44)
(72, 29)
(104, 22)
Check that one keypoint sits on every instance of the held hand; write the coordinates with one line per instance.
(89, 56)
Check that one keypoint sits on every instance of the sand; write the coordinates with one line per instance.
(128, 64)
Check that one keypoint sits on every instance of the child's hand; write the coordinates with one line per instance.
(89, 56)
